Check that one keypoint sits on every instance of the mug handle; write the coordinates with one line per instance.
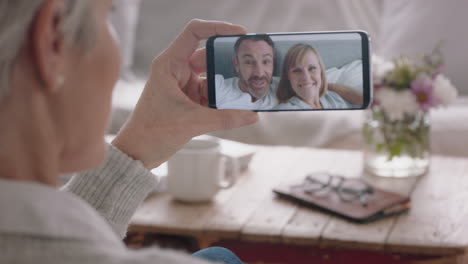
(228, 179)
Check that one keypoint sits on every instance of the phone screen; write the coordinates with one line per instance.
(289, 71)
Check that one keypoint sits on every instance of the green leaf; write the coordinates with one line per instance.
(395, 150)
(403, 74)
(380, 147)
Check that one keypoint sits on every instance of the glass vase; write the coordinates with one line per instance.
(396, 148)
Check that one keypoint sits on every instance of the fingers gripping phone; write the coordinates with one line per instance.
(289, 71)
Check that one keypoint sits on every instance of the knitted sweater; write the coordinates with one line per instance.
(82, 223)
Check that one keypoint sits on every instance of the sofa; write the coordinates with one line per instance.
(396, 26)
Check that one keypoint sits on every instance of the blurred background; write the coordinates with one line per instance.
(397, 27)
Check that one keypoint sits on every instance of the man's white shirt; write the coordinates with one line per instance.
(230, 96)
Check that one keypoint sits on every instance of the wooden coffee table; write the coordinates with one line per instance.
(250, 218)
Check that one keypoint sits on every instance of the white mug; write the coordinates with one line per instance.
(197, 171)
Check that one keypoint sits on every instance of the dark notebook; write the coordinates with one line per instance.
(378, 204)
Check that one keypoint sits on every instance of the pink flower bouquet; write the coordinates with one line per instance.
(404, 87)
(397, 128)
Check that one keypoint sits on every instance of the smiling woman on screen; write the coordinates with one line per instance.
(303, 83)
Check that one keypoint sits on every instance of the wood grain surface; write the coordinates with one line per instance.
(249, 211)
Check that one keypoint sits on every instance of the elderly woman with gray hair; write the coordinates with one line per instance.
(58, 65)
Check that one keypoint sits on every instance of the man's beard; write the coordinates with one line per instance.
(250, 89)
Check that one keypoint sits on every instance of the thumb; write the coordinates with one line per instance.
(226, 119)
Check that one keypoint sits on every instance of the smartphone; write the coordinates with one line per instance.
(303, 71)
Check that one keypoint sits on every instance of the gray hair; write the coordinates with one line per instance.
(16, 17)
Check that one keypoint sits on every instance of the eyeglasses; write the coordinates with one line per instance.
(348, 189)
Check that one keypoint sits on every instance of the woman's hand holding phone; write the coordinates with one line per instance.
(169, 112)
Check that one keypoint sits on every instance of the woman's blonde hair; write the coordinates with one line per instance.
(16, 17)
(294, 56)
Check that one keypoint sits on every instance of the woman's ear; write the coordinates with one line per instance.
(48, 44)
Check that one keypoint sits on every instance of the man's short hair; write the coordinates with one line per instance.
(260, 37)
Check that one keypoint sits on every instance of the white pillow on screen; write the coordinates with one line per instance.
(349, 75)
